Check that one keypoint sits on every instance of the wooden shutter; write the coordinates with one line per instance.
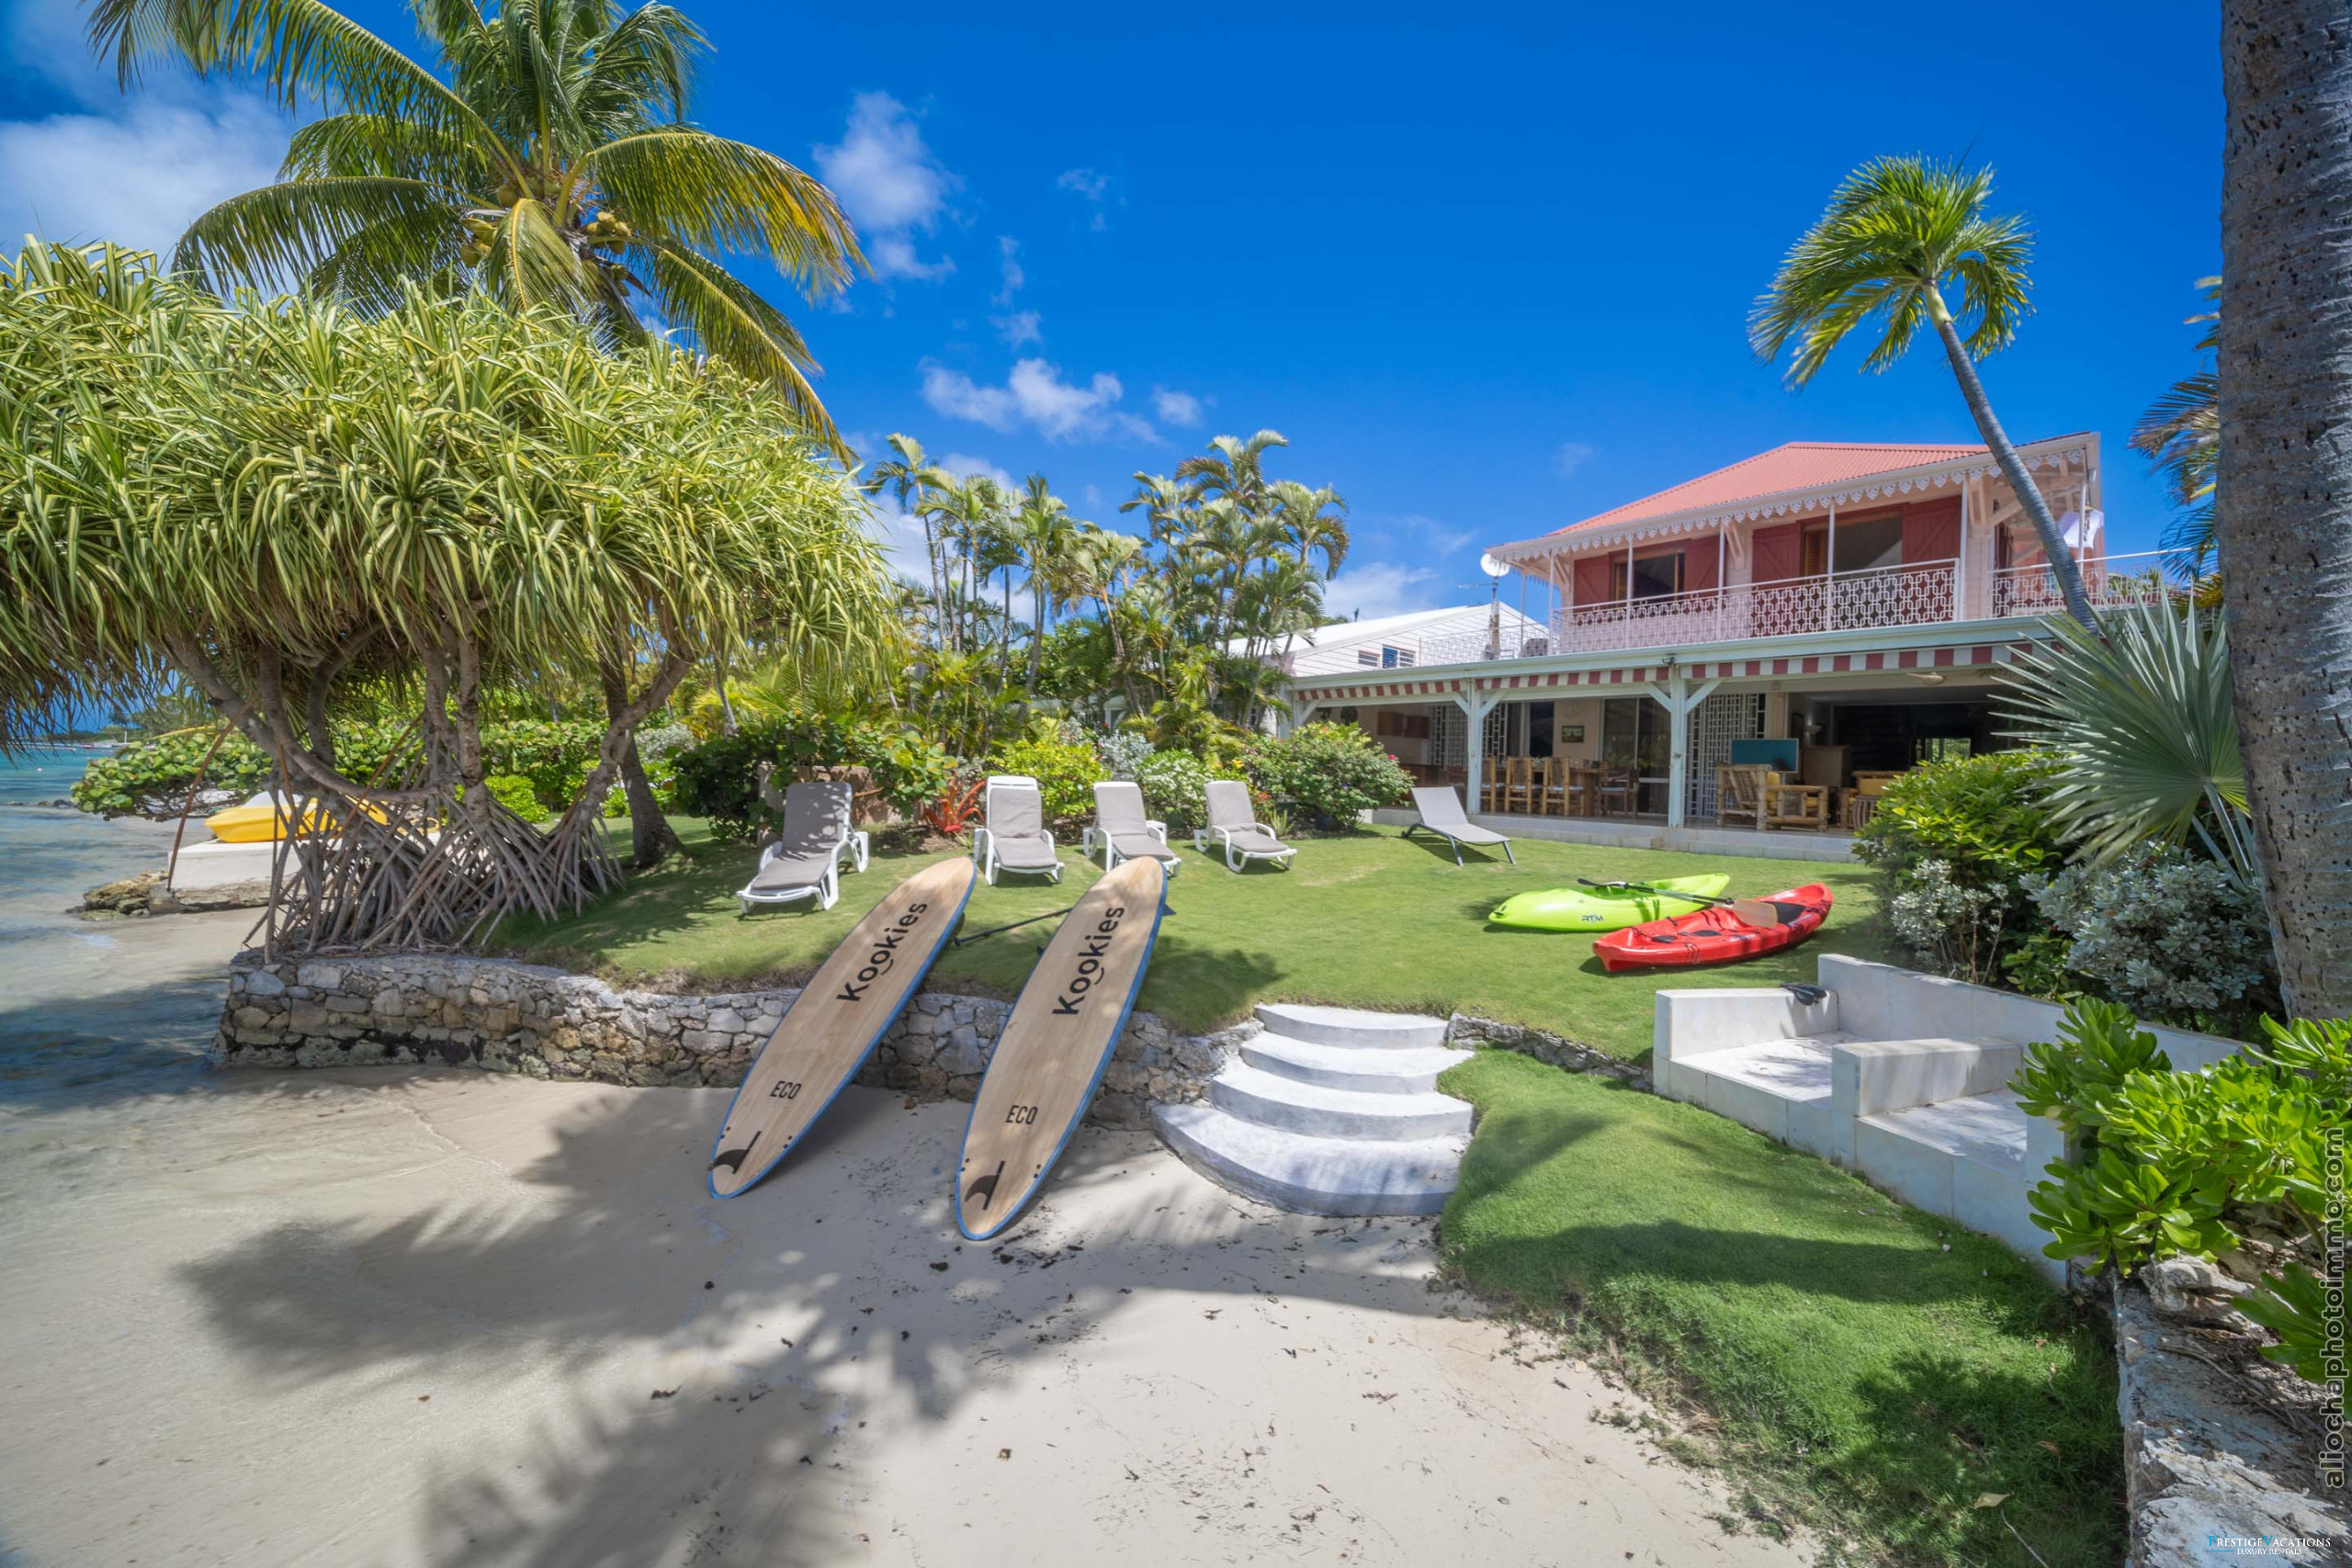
(1780, 553)
(1592, 579)
(1931, 531)
(1699, 565)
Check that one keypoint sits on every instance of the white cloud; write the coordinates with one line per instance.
(1089, 185)
(1035, 395)
(1175, 407)
(1439, 538)
(1018, 328)
(136, 176)
(1009, 258)
(899, 535)
(964, 465)
(1570, 456)
(890, 183)
(1368, 591)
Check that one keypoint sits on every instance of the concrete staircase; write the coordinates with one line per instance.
(1330, 1111)
(1899, 1075)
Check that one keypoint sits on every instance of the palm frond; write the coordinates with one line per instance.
(2146, 720)
(718, 195)
(278, 235)
(339, 145)
(730, 323)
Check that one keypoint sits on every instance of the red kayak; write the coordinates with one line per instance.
(1717, 935)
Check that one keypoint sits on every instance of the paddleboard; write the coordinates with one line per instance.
(836, 1020)
(1056, 1045)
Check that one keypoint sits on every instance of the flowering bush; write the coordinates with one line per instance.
(1332, 769)
(1066, 771)
(2164, 933)
(1954, 842)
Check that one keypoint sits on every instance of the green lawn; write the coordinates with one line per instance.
(1870, 1367)
(1367, 920)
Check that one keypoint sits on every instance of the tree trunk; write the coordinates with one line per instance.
(649, 834)
(2283, 519)
(2062, 565)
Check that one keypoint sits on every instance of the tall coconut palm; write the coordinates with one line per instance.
(1898, 231)
(910, 475)
(550, 159)
(1238, 472)
(2284, 484)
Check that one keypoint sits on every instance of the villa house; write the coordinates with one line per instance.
(1848, 600)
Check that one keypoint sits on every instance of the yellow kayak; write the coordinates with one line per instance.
(262, 819)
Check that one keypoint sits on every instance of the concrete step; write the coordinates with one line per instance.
(1310, 1175)
(1350, 1026)
(1781, 1088)
(1406, 1069)
(1964, 1159)
(1255, 1095)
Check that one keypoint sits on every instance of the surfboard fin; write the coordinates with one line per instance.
(985, 1186)
(733, 1158)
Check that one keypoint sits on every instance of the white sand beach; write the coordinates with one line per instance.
(399, 1316)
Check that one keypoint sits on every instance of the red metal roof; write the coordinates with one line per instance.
(1796, 465)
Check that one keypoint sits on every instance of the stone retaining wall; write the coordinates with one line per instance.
(521, 1018)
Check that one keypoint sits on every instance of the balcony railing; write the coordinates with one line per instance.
(1926, 594)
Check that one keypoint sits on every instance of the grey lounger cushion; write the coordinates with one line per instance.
(1017, 823)
(1230, 817)
(1119, 819)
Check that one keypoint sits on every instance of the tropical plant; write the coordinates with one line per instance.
(515, 793)
(2173, 936)
(1335, 771)
(1954, 842)
(549, 159)
(2230, 1163)
(2143, 722)
(1040, 530)
(274, 500)
(909, 475)
(1175, 787)
(2283, 509)
(1896, 233)
(2180, 434)
(1066, 772)
(719, 779)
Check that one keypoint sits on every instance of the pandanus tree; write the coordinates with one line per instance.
(1897, 233)
(549, 158)
(273, 501)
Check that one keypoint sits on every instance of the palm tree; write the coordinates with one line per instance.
(2283, 517)
(1898, 231)
(2181, 435)
(1238, 472)
(550, 159)
(1316, 518)
(964, 511)
(910, 475)
(1041, 534)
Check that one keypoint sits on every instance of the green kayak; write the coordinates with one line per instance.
(1604, 909)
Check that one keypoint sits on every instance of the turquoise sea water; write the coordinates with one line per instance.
(89, 1007)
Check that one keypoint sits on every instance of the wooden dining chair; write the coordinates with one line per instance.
(1518, 786)
(1552, 787)
(1620, 788)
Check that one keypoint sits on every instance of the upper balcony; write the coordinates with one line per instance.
(1890, 596)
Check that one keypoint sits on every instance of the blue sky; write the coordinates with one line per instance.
(1488, 274)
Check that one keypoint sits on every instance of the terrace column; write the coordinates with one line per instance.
(1678, 697)
(1302, 714)
(1476, 706)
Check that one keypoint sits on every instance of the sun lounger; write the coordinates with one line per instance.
(1442, 814)
(1125, 832)
(1012, 836)
(805, 861)
(1236, 827)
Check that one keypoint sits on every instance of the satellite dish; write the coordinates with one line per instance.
(1492, 567)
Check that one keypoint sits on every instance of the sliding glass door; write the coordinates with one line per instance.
(1633, 732)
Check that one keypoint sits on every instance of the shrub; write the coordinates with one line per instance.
(719, 778)
(1983, 822)
(1123, 751)
(1332, 769)
(616, 794)
(2165, 933)
(161, 771)
(515, 793)
(1067, 771)
(1175, 788)
(2229, 1163)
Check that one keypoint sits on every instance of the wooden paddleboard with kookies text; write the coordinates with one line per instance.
(836, 1020)
(1055, 1048)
